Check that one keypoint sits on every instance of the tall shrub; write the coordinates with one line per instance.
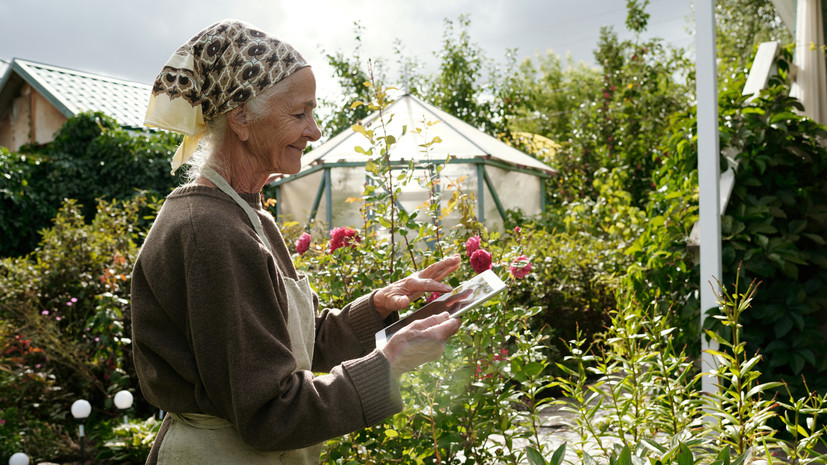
(773, 228)
(64, 320)
(91, 157)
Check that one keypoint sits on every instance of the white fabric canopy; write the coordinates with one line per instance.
(810, 85)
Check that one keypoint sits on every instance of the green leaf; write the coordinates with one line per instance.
(685, 456)
(559, 455)
(588, 459)
(626, 457)
(534, 369)
(534, 457)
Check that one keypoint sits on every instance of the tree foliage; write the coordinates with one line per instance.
(742, 25)
(91, 158)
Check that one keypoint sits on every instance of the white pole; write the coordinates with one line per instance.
(708, 172)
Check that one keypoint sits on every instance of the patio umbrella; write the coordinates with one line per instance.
(810, 84)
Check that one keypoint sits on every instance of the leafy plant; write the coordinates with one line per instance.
(91, 158)
(65, 321)
(740, 407)
(130, 442)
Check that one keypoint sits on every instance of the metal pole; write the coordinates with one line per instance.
(708, 174)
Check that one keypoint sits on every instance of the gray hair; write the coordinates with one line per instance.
(257, 108)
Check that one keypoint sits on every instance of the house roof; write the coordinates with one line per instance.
(459, 140)
(73, 92)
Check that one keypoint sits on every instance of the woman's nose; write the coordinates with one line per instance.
(313, 132)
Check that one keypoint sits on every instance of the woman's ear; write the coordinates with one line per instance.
(239, 123)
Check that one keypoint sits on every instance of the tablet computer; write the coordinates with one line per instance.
(477, 290)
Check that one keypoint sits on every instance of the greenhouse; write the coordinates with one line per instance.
(501, 177)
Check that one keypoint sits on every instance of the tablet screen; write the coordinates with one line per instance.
(478, 289)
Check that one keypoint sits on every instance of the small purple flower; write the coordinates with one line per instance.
(44, 312)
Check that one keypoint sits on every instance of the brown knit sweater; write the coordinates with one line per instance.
(209, 319)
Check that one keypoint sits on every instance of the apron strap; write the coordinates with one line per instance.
(225, 187)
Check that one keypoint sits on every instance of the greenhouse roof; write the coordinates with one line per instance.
(459, 140)
(73, 92)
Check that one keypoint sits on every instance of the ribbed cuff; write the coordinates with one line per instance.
(365, 321)
(377, 388)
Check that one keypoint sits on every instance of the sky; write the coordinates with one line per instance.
(133, 39)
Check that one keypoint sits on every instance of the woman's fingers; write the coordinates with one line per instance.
(420, 342)
(439, 270)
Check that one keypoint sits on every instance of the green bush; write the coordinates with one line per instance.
(129, 442)
(64, 319)
(645, 404)
(775, 228)
(91, 158)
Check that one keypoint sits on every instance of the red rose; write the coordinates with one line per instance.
(520, 267)
(343, 237)
(480, 260)
(303, 243)
(472, 245)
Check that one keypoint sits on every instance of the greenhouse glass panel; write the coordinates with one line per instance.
(348, 185)
(516, 190)
(297, 197)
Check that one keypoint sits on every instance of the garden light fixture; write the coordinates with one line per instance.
(19, 459)
(123, 400)
(80, 410)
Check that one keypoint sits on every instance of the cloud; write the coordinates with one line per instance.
(132, 40)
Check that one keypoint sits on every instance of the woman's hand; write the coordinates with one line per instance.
(400, 294)
(420, 342)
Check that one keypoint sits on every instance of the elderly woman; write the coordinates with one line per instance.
(227, 334)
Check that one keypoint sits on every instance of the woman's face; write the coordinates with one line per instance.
(278, 140)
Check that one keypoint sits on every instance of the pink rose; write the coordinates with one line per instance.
(303, 243)
(472, 244)
(340, 237)
(481, 260)
(520, 267)
(432, 296)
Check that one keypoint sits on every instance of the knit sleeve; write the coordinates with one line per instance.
(237, 322)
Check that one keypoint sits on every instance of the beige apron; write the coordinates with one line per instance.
(204, 439)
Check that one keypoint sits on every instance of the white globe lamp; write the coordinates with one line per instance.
(81, 409)
(123, 400)
(19, 459)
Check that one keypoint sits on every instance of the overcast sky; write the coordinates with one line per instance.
(133, 39)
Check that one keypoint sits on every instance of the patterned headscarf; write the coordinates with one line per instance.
(220, 68)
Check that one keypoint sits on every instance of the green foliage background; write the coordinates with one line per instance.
(91, 158)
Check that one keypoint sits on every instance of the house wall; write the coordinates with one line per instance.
(48, 119)
(18, 127)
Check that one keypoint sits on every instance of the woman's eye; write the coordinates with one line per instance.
(298, 115)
